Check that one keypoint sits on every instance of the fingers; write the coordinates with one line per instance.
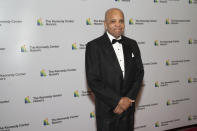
(123, 105)
(118, 110)
(131, 100)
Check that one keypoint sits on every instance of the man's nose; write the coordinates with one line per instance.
(117, 23)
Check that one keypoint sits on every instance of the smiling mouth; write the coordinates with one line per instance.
(117, 30)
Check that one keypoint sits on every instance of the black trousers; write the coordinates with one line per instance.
(117, 123)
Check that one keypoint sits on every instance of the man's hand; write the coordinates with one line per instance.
(118, 110)
(125, 102)
(123, 105)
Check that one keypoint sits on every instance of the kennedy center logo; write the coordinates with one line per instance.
(27, 100)
(46, 122)
(131, 21)
(155, 1)
(23, 48)
(43, 73)
(76, 93)
(168, 103)
(167, 21)
(167, 62)
(88, 21)
(92, 114)
(157, 124)
(156, 84)
(156, 43)
(39, 22)
(74, 46)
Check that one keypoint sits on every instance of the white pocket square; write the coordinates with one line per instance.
(133, 55)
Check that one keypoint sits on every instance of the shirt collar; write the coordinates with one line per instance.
(112, 37)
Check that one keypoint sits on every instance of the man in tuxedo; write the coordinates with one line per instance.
(114, 73)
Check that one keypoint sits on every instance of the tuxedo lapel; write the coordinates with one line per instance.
(107, 45)
(128, 51)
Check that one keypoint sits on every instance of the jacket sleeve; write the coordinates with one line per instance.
(134, 90)
(93, 74)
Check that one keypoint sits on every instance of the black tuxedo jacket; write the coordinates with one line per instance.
(104, 75)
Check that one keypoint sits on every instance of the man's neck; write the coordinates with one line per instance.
(111, 37)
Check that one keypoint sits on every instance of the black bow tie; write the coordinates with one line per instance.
(114, 41)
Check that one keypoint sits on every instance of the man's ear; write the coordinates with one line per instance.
(105, 25)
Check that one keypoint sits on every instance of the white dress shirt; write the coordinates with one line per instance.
(119, 52)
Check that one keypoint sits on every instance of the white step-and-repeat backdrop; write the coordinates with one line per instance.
(42, 72)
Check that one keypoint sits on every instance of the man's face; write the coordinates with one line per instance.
(114, 23)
